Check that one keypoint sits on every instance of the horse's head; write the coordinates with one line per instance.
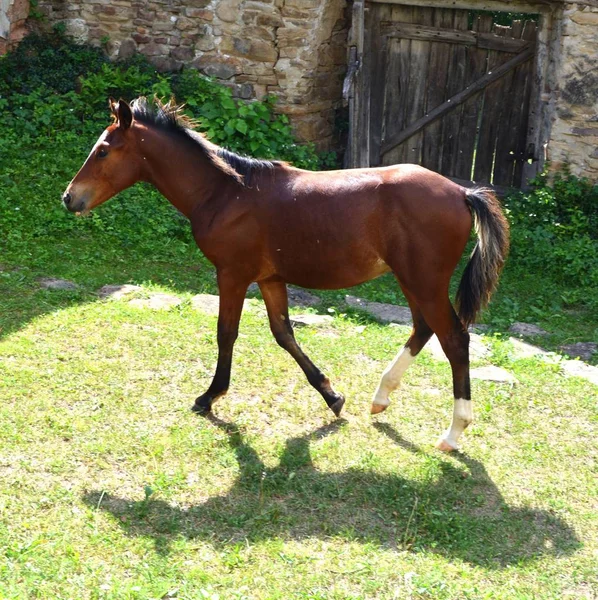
(112, 165)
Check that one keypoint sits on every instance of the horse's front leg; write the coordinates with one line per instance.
(232, 294)
(275, 298)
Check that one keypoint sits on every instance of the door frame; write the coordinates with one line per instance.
(542, 100)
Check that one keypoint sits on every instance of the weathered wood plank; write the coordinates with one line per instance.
(523, 6)
(417, 31)
(354, 91)
(493, 104)
(475, 68)
(377, 77)
(398, 98)
(362, 130)
(418, 83)
(487, 40)
(540, 116)
(438, 70)
(506, 140)
(521, 131)
(453, 102)
(455, 83)
(490, 41)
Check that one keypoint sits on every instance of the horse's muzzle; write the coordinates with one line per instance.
(71, 204)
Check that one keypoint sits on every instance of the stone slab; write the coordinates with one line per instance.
(49, 283)
(298, 297)
(387, 313)
(576, 368)
(525, 350)
(157, 302)
(581, 350)
(309, 320)
(477, 349)
(209, 304)
(492, 373)
(118, 291)
(527, 329)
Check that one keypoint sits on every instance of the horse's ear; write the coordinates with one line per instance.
(124, 114)
(112, 106)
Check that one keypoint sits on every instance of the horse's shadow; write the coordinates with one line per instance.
(458, 513)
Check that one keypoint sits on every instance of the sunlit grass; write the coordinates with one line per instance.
(112, 488)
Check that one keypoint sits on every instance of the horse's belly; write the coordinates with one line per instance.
(323, 274)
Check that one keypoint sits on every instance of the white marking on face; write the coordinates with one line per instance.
(75, 189)
(391, 378)
(100, 141)
(462, 418)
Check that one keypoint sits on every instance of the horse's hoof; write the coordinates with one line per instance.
(378, 408)
(338, 406)
(202, 410)
(445, 446)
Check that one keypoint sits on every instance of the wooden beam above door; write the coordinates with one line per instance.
(529, 7)
(489, 41)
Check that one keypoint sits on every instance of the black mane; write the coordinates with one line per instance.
(170, 118)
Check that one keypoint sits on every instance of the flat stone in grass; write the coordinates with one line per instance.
(210, 303)
(525, 350)
(298, 297)
(492, 373)
(527, 329)
(580, 369)
(309, 320)
(477, 348)
(206, 303)
(388, 313)
(118, 291)
(49, 283)
(156, 302)
(581, 350)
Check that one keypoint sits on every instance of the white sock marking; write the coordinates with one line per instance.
(462, 417)
(391, 378)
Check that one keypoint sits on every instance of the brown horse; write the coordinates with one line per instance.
(266, 221)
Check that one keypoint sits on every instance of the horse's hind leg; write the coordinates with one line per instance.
(275, 297)
(391, 378)
(454, 339)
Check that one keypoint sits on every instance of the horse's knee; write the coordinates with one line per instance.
(283, 338)
(226, 337)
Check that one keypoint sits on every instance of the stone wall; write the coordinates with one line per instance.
(574, 135)
(13, 16)
(295, 49)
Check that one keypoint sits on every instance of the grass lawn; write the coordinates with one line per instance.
(110, 487)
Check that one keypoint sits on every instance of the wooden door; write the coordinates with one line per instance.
(444, 92)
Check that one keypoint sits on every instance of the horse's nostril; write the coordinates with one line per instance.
(66, 198)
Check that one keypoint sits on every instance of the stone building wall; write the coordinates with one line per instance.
(295, 49)
(574, 134)
(13, 16)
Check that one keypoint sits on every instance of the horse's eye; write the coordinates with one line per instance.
(102, 153)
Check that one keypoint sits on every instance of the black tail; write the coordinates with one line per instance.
(488, 257)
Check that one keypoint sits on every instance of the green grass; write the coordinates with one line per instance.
(110, 487)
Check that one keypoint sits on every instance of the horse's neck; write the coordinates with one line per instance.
(182, 173)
